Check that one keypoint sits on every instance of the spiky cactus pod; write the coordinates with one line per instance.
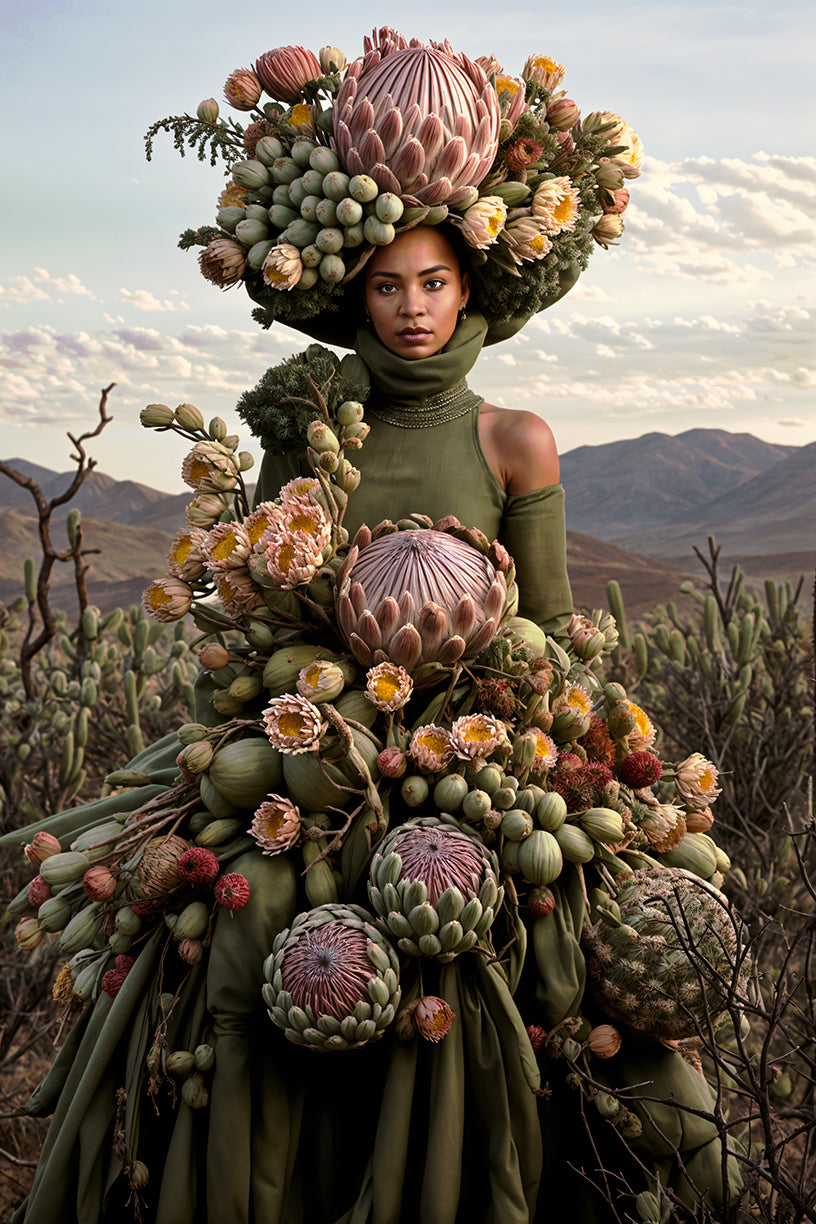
(332, 980)
(435, 888)
(661, 961)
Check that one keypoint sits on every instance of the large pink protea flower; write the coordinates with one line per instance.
(435, 886)
(332, 980)
(421, 121)
(418, 596)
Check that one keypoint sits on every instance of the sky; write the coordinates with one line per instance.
(702, 317)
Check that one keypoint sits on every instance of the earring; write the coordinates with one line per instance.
(462, 314)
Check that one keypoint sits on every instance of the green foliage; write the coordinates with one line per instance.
(280, 408)
(219, 141)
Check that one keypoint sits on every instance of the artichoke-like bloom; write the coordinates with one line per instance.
(483, 222)
(185, 557)
(226, 547)
(284, 71)
(434, 886)
(413, 597)
(167, 599)
(158, 871)
(669, 969)
(242, 89)
(293, 724)
(431, 748)
(421, 121)
(223, 262)
(388, 686)
(332, 979)
(477, 735)
(696, 779)
(276, 825)
(555, 205)
(546, 754)
(546, 72)
(643, 733)
(283, 267)
(237, 590)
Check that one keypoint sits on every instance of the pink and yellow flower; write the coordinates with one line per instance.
(483, 222)
(696, 780)
(663, 825)
(322, 680)
(205, 509)
(543, 71)
(388, 686)
(283, 267)
(555, 205)
(643, 733)
(512, 99)
(209, 468)
(527, 239)
(226, 547)
(290, 562)
(607, 229)
(433, 1018)
(574, 697)
(431, 748)
(265, 517)
(242, 89)
(276, 825)
(237, 591)
(546, 752)
(185, 557)
(477, 735)
(167, 599)
(293, 724)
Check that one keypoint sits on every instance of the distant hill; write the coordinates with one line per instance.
(628, 504)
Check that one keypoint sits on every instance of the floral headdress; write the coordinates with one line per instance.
(346, 156)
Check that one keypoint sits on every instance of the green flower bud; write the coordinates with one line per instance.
(189, 417)
(156, 415)
(207, 111)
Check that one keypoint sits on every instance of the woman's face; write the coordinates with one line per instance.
(414, 291)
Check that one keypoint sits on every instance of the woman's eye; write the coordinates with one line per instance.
(435, 283)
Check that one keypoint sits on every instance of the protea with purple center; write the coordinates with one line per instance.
(419, 596)
(332, 980)
(435, 887)
(421, 121)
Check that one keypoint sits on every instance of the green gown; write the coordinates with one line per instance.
(395, 1133)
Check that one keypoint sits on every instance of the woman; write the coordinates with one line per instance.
(173, 1091)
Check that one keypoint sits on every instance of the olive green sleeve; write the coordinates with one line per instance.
(277, 470)
(534, 532)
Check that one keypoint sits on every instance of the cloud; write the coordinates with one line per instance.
(143, 299)
(18, 289)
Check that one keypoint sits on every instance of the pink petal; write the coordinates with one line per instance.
(405, 648)
(369, 630)
(452, 650)
(358, 599)
(463, 619)
(385, 179)
(452, 158)
(361, 652)
(371, 148)
(388, 616)
(390, 129)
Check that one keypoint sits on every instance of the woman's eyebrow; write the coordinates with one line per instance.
(425, 272)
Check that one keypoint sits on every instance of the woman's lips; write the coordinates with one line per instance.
(414, 335)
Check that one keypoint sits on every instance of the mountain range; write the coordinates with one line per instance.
(635, 511)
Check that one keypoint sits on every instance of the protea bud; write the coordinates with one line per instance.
(331, 59)
(153, 416)
(604, 1040)
(207, 110)
(189, 417)
(41, 847)
(98, 883)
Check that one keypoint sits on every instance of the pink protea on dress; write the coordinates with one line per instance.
(420, 120)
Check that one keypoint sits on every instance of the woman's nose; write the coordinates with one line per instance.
(411, 302)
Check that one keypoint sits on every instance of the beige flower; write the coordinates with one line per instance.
(574, 697)
(331, 59)
(604, 1040)
(276, 825)
(546, 72)
(232, 196)
(185, 557)
(226, 547)
(555, 205)
(302, 487)
(321, 681)
(512, 99)
(205, 510)
(696, 780)
(167, 599)
(265, 517)
(388, 686)
(282, 268)
(293, 724)
(607, 229)
(483, 222)
(663, 825)
(477, 735)
(307, 520)
(431, 747)
(290, 563)
(242, 89)
(223, 262)
(209, 468)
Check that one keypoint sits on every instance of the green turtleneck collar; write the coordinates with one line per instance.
(413, 381)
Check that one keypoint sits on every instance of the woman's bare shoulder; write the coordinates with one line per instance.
(520, 448)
